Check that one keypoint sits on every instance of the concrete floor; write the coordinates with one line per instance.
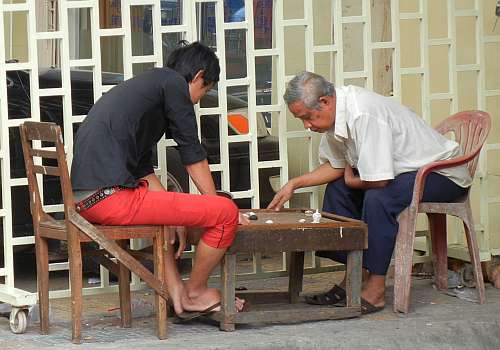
(437, 321)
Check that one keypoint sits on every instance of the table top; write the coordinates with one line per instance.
(294, 230)
(272, 220)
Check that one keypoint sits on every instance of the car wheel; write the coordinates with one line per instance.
(172, 184)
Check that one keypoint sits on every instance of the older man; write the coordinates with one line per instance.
(370, 151)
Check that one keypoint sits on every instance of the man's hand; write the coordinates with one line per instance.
(283, 195)
(349, 178)
(181, 234)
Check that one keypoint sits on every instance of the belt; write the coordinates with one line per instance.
(96, 197)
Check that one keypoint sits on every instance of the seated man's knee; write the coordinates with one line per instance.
(222, 234)
(232, 211)
(229, 211)
(377, 202)
(372, 197)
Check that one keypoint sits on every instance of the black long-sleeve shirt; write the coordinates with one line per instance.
(114, 145)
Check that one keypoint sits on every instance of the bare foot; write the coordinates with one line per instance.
(202, 300)
(176, 292)
(374, 290)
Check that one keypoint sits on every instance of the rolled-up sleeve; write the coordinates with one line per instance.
(182, 121)
(373, 138)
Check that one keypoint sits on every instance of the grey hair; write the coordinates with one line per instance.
(308, 87)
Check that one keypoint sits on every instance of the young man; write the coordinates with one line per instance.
(113, 177)
(370, 151)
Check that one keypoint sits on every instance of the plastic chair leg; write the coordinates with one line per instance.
(437, 224)
(404, 261)
(470, 234)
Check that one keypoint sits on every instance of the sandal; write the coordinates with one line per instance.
(368, 308)
(191, 315)
(333, 296)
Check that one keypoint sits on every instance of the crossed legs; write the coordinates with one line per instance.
(379, 208)
(194, 295)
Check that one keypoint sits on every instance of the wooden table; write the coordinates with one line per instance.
(287, 234)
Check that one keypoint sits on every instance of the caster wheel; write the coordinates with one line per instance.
(18, 320)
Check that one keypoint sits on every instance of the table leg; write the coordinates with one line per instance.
(228, 285)
(296, 273)
(353, 277)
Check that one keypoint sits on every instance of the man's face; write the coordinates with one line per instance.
(317, 120)
(197, 90)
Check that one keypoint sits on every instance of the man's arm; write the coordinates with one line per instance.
(354, 181)
(202, 177)
(321, 175)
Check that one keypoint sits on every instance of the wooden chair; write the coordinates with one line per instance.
(75, 229)
(471, 129)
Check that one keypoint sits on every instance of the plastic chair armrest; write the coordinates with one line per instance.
(418, 188)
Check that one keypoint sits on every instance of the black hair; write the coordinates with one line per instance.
(188, 59)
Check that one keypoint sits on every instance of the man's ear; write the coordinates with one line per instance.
(199, 75)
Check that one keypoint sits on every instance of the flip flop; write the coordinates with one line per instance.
(366, 307)
(191, 315)
(246, 306)
(333, 296)
(369, 308)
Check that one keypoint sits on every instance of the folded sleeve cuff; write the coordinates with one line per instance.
(191, 154)
(377, 177)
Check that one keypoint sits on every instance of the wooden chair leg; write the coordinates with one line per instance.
(470, 234)
(42, 267)
(124, 291)
(404, 260)
(296, 273)
(76, 285)
(159, 270)
(437, 225)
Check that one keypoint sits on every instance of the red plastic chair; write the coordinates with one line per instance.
(471, 129)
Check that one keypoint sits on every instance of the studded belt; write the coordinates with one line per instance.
(96, 197)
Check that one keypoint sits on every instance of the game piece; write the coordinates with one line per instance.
(316, 217)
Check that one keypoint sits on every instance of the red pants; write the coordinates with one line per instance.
(139, 206)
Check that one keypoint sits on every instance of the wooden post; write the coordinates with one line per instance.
(42, 268)
(76, 284)
(228, 285)
(353, 278)
(296, 273)
(124, 291)
(160, 302)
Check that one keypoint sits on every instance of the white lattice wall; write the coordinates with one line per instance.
(396, 48)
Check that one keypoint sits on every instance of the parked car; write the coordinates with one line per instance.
(18, 91)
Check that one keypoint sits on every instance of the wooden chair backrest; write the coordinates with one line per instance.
(33, 134)
(471, 129)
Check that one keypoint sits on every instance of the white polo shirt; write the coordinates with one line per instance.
(382, 139)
